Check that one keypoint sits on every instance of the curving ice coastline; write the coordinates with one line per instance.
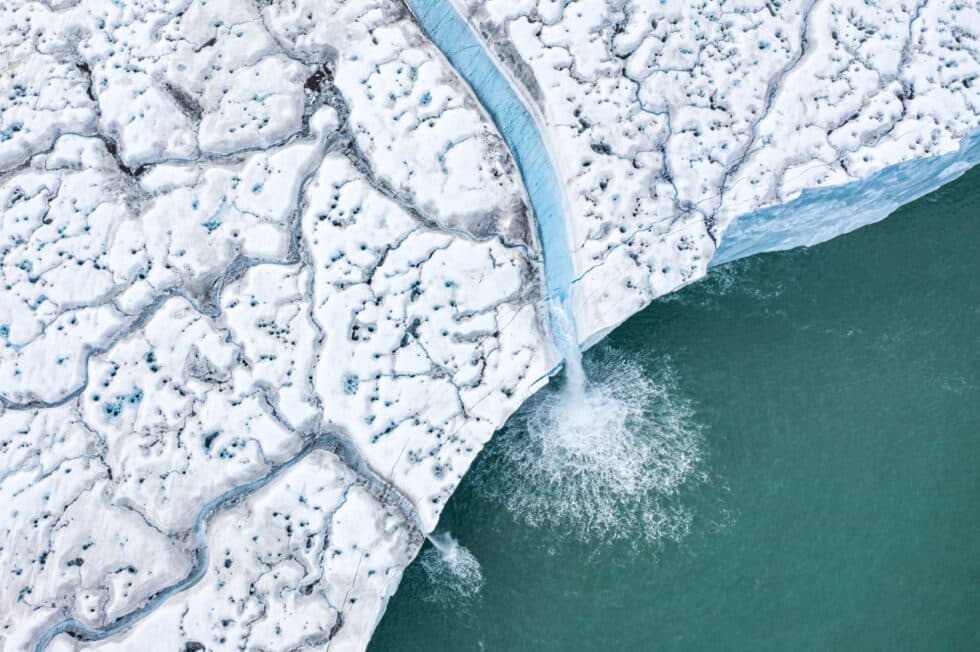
(505, 82)
(274, 273)
(821, 214)
(254, 331)
(669, 121)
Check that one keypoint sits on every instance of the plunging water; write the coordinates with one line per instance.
(839, 395)
(614, 440)
(603, 453)
(566, 339)
(451, 571)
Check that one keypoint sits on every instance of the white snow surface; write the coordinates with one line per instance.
(270, 280)
(669, 119)
(269, 283)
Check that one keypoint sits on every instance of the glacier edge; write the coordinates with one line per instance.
(370, 265)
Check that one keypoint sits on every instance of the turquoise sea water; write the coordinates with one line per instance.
(825, 406)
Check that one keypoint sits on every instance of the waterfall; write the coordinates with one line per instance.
(566, 340)
(603, 453)
(452, 572)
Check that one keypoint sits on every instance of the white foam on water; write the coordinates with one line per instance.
(725, 281)
(604, 457)
(451, 571)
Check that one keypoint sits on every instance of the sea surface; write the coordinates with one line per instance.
(794, 465)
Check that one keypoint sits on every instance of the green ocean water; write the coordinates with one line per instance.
(816, 415)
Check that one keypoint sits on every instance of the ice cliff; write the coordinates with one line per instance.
(672, 125)
(272, 277)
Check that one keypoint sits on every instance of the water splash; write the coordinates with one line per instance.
(451, 571)
(605, 455)
(566, 339)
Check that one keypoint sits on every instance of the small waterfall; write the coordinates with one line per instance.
(566, 340)
(451, 571)
(605, 454)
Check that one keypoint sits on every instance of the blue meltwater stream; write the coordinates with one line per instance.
(816, 216)
(606, 442)
(453, 36)
(838, 386)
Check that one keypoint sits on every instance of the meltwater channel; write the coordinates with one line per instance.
(452, 35)
(589, 481)
(836, 393)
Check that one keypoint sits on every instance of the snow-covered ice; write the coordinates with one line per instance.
(271, 277)
(270, 282)
(669, 120)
